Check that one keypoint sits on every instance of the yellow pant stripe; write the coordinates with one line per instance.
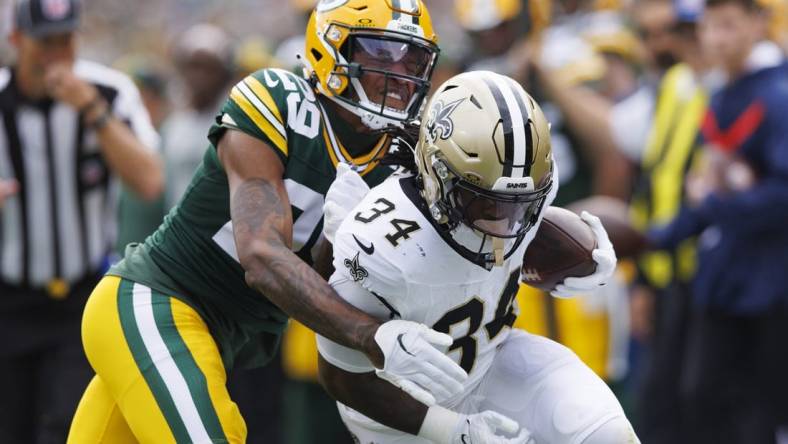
(166, 363)
(204, 352)
(266, 126)
(159, 363)
(109, 354)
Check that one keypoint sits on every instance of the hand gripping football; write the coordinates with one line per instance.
(561, 248)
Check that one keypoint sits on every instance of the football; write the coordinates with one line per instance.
(614, 215)
(561, 248)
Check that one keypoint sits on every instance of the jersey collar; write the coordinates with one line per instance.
(338, 153)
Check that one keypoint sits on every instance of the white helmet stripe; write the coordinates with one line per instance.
(518, 125)
(506, 121)
(521, 97)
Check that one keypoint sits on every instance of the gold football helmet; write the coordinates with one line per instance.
(372, 57)
(484, 158)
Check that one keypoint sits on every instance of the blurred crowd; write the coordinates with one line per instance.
(660, 121)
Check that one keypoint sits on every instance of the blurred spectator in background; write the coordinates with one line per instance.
(137, 218)
(777, 12)
(253, 53)
(290, 48)
(494, 26)
(733, 385)
(630, 119)
(70, 129)
(151, 75)
(203, 57)
(661, 295)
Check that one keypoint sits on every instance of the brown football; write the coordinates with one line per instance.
(561, 248)
(614, 215)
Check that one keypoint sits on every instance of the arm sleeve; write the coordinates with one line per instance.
(348, 359)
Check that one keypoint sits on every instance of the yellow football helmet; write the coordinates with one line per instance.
(484, 158)
(372, 57)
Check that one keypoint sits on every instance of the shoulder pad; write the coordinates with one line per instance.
(272, 105)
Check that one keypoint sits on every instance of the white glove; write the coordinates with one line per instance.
(414, 365)
(604, 256)
(343, 195)
(443, 426)
(484, 428)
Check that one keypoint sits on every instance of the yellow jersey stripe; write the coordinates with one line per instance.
(338, 153)
(366, 158)
(331, 153)
(262, 93)
(276, 137)
(250, 95)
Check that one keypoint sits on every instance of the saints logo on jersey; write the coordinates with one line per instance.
(357, 272)
(440, 119)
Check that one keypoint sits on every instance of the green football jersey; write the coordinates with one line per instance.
(192, 255)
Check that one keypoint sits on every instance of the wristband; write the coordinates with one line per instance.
(439, 425)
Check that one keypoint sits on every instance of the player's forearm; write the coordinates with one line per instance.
(138, 167)
(374, 397)
(259, 222)
(300, 292)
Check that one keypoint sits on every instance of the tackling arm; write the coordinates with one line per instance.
(372, 396)
(263, 226)
(347, 376)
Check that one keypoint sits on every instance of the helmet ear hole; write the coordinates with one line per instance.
(316, 54)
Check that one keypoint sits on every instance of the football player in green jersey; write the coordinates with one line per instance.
(214, 286)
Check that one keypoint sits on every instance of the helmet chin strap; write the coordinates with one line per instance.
(488, 246)
(498, 251)
(369, 119)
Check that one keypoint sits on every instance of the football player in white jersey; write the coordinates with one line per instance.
(444, 247)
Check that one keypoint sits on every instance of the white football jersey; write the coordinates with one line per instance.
(390, 247)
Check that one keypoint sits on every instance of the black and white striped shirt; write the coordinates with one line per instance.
(62, 223)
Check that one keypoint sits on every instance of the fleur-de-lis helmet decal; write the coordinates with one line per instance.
(440, 119)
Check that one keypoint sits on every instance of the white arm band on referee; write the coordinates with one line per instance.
(439, 425)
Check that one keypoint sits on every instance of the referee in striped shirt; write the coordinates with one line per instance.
(69, 130)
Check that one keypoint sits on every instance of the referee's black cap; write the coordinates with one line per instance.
(40, 18)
